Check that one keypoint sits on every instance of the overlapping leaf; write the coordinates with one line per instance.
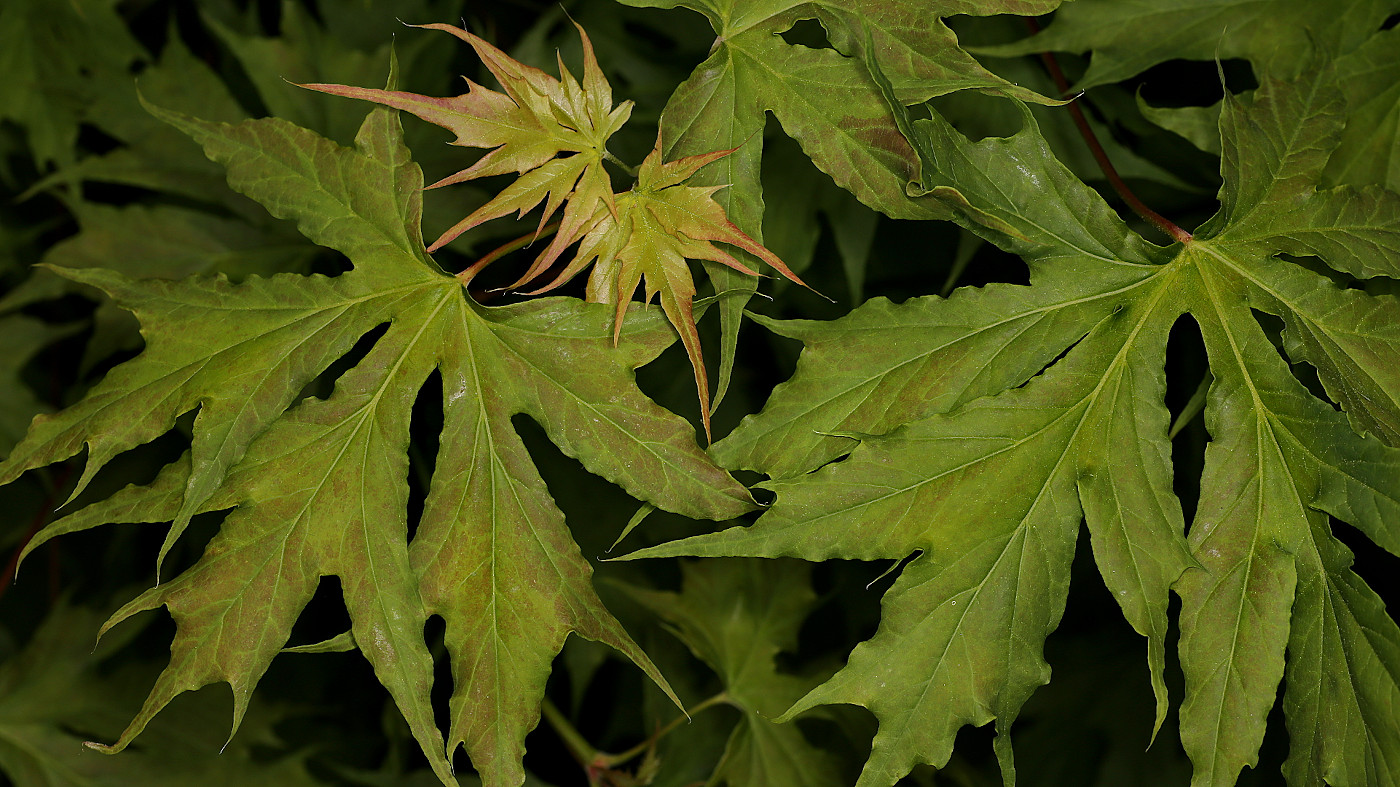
(645, 235)
(822, 97)
(318, 487)
(525, 129)
(1129, 38)
(984, 468)
(647, 238)
(737, 616)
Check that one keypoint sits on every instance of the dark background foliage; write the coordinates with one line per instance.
(85, 179)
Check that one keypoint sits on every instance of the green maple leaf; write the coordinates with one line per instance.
(54, 60)
(823, 98)
(318, 487)
(985, 470)
(1369, 150)
(737, 616)
(1129, 38)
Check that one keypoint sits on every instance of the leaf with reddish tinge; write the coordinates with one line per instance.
(537, 118)
(641, 237)
(656, 227)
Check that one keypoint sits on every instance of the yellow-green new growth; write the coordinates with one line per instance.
(554, 132)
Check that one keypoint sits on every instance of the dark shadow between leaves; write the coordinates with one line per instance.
(323, 617)
(1091, 724)
(323, 384)
(1192, 83)
(1187, 371)
(809, 33)
(425, 431)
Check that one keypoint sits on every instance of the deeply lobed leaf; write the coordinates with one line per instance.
(319, 487)
(823, 98)
(645, 235)
(961, 635)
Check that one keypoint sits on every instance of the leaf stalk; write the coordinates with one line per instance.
(1091, 139)
(624, 166)
(521, 242)
(596, 761)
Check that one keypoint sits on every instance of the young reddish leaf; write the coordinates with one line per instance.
(537, 118)
(642, 237)
(646, 240)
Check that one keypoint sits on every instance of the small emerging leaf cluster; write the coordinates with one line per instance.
(644, 236)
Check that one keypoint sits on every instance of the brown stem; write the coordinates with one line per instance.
(521, 242)
(1082, 123)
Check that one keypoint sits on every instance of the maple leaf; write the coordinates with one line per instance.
(57, 684)
(318, 487)
(1369, 150)
(935, 435)
(643, 236)
(54, 58)
(1129, 38)
(737, 616)
(823, 98)
(537, 118)
(647, 238)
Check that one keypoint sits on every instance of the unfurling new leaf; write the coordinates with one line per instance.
(643, 236)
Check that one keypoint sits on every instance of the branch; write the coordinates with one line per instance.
(521, 242)
(1082, 123)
